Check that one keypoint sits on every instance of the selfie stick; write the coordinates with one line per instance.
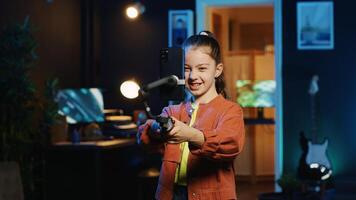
(165, 123)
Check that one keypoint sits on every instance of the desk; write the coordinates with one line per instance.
(115, 143)
(101, 170)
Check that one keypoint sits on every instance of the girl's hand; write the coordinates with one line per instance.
(154, 129)
(181, 132)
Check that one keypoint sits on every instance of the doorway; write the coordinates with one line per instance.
(224, 18)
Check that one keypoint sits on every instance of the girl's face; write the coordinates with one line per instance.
(200, 73)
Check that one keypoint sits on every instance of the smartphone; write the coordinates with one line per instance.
(172, 63)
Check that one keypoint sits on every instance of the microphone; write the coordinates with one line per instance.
(171, 81)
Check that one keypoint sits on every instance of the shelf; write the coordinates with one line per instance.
(253, 121)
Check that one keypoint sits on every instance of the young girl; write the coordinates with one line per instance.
(208, 133)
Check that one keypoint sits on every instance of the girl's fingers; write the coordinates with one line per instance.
(174, 131)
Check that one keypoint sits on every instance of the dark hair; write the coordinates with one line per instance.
(207, 39)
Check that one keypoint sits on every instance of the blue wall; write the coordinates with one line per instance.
(335, 108)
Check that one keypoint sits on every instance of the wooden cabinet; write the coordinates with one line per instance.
(256, 162)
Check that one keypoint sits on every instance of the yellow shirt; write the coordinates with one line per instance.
(181, 172)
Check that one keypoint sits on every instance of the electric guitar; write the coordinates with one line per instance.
(316, 157)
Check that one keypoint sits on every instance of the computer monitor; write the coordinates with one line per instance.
(83, 105)
(257, 93)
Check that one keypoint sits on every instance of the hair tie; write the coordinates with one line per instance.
(208, 34)
(204, 33)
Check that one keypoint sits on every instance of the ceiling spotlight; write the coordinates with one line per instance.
(129, 89)
(134, 10)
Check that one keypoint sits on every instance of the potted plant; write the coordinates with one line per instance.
(25, 116)
(289, 184)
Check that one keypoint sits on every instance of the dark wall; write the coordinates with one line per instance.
(91, 43)
(130, 49)
(336, 112)
(57, 26)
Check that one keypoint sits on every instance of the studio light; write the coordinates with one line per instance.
(129, 89)
(134, 10)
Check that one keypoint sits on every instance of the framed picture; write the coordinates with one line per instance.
(315, 25)
(180, 26)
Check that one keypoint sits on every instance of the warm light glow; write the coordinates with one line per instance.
(129, 89)
(132, 12)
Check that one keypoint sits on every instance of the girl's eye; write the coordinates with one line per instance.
(202, 68)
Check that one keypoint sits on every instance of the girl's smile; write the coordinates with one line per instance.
(200, 72)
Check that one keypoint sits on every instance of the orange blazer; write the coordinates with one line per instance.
(210, 172)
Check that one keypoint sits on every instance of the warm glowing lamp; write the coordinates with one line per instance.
(129, 89)
(133, 11)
